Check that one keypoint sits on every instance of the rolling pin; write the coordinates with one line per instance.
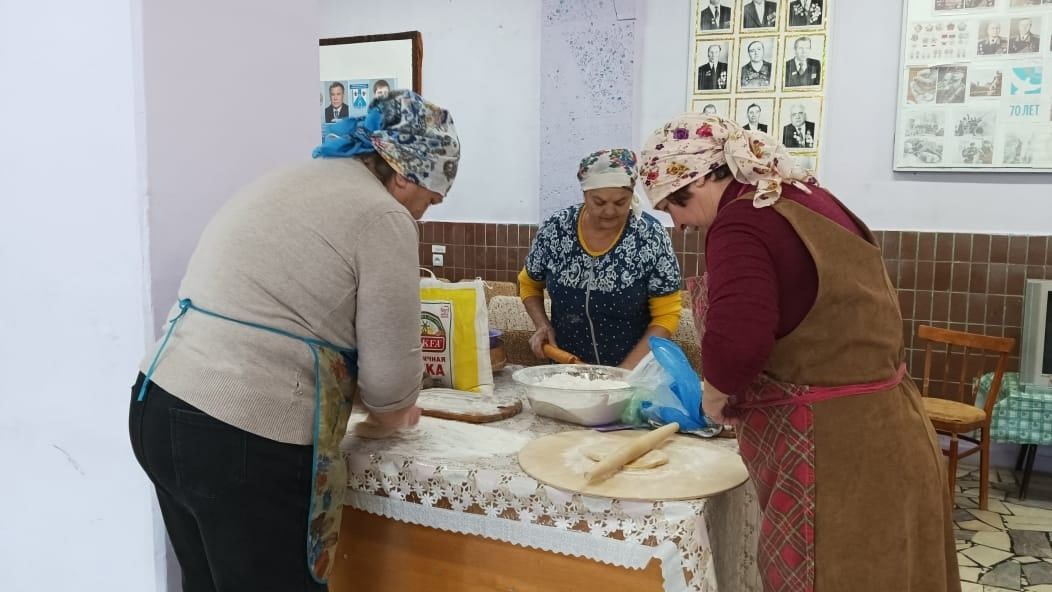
(629, 452)
(560, 356)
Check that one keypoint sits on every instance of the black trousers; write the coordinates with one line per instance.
(235, 504)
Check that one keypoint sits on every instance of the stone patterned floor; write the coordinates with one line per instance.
(1006, 547)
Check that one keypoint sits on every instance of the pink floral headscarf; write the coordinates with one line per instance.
(692, 145)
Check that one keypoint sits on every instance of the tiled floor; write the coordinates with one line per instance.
(1006, 547)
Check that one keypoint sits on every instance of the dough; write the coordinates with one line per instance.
(696, 467)
(629, 452)
(372, 430)
(650, 460)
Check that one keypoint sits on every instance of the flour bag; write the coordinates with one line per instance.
(454, 335)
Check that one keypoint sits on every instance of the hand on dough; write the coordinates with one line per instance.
(384, 425)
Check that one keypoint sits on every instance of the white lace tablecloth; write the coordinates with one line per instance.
(703, 545)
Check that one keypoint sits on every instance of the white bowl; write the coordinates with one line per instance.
(590, 407)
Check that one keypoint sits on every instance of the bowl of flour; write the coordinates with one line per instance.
(583, 395)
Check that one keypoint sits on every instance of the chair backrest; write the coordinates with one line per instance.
(983, 345)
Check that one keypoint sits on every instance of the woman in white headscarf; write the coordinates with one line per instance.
(610, 270)
(802, 350)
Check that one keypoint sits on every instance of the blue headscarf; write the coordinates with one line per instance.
(415, 137)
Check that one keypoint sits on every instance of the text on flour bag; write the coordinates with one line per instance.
(454, 335)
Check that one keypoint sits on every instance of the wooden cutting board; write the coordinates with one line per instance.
(464, 406)
(695, 467)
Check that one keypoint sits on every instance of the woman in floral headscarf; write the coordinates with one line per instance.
(303, 291)
(802, 350)
(609, 268)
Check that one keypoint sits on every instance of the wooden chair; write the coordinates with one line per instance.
(960, 417)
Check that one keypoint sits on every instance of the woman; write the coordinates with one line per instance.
(850, 479)
(610, 270)
(757, 72)
(302, 290)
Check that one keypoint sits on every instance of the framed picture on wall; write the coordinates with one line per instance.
(806, 14)
(949, 5)
(712, 60)
(757, 60)
(799, 118)
(755, 114)
(972, 94)
(721, 107)
(715, 17)
(808, 162)
(748, 58)
(759, 16)
(804, 62)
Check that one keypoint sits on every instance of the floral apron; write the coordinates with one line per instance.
(335, 384)
(849, 476)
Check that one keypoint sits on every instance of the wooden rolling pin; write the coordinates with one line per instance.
(560, 356)
(634, 449)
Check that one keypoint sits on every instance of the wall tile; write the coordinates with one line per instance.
(966, 281)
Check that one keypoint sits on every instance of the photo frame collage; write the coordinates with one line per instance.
(972, 94)
(762, 63)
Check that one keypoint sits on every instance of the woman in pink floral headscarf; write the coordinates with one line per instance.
(802, 350)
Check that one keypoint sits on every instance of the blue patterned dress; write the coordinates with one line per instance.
(600, 304)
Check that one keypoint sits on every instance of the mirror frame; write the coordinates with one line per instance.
(414, 36)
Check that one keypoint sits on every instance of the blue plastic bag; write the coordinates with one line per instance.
(668, 390)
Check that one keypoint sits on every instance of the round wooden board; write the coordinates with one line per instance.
(696, 468)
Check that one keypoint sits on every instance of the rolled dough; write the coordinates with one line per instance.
(650, 460)
(629, 452)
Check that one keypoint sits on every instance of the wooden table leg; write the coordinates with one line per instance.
(382, 555)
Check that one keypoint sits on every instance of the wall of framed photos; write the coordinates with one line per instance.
(971, 94)
(763, 64)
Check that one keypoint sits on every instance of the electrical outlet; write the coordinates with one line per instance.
(436, 259)
(438, 249)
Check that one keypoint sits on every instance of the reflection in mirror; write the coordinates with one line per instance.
(355, 70)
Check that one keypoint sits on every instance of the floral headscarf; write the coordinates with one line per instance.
(692, 145)
(610, 168)
(415, 137)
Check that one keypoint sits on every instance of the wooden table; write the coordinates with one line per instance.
(422, 516)
(381, 555)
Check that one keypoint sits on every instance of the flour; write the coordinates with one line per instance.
(580, 383)
(453, 440)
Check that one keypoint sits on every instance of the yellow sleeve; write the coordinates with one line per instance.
(529, 287)
(664, 311)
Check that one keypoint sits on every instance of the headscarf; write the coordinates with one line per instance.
(415, 137)
(610, 168)
(692, 145)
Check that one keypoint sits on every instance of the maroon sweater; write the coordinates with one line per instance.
(762, 282)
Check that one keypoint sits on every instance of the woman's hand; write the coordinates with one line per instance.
(713, 404)
(396, 420)
(544, 334)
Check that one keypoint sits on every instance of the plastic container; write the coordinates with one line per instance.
(592, 407)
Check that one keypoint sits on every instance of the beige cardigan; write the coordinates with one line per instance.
(320, 250)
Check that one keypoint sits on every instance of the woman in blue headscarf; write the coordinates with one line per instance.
(302, 293)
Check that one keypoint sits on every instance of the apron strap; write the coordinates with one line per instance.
(349, 354)
(817, 394)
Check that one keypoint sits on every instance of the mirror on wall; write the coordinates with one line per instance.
(354, 70)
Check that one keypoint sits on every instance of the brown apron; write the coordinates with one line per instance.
(849, 474)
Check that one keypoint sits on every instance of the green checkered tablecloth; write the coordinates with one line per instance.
(1020, 416)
